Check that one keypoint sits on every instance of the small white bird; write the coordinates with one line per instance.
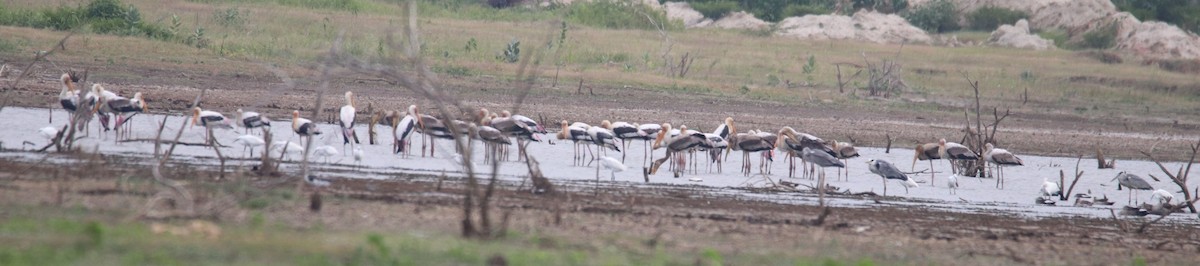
(1162, 196)
(250, 142)
(358, 155)
(952, 183)
(48, 132)
(1050, 189)
(326, 152)
(291, 148)
(613, 165)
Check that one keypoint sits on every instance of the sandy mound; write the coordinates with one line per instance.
(1144, 39)
(1018, 36)
(1153, 39)
(863, 26)
(741, 20)
(683, 12)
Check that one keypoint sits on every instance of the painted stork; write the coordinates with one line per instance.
(576, 134)
(625, 132)
(926, 152)
(208, 120)
(252, 120)
(303, 127)
(1000, 158)
(844, 151)
(647, 133)
(674, 146)
(954, 152)
(401, 132)
(346, 119)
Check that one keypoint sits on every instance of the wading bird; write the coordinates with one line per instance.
(885, 170)
(249, 142)
(952, 184)
(1000, 158)
(1050, 190)
(303, 127)
(954, 152)
(611, 164)
(346, 120)
(844, 151)
(208, 120)
(926, 152)
(1132, 182)
(252, 120)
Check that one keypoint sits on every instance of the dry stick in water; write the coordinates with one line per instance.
(1078, 174)
(1180, 177)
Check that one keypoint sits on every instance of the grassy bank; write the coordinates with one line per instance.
(464, 39)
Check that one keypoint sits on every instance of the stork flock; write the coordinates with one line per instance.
(497, 132)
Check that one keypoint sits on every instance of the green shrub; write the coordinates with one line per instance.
(803, 10)
(617, 15)
(936, 16)
(1185, 14)
(61, 18)
(1103, 37)
(105, 9)
(1059, 37)
(715, 9)
(989, 18)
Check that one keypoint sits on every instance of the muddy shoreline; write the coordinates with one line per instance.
(1026, 131)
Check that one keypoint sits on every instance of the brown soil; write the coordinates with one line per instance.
(685, 219)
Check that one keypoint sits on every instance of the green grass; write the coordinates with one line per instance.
(298, 33)
(55, 236)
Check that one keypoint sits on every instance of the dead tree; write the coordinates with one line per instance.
(1180, 177)
(841, 83)
(884, 78)
(1065, 195)
(976, 138)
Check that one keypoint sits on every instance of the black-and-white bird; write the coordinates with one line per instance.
(576, 133)
(346, 119)
(209, 120)
(69, 97)
(602, 138)
(125, 109)
(751, 142)
(1132, 182)
(954, 152)
(675, 146)
(303, 127)
(647, 133)
(252, 120)
(625, 132)
(402, 132)
(888, 171)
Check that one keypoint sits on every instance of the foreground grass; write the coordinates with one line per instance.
(62, 236)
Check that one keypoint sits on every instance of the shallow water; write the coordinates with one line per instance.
(974, 195)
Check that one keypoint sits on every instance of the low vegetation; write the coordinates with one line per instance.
(989, 18)
(936, 16)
